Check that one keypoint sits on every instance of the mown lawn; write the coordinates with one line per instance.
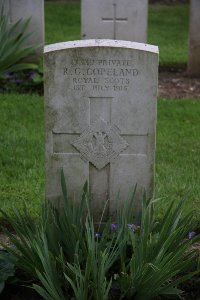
(22, 152)
(177, 155)
(167, 28)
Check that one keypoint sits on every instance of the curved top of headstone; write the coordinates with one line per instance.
(100, 43)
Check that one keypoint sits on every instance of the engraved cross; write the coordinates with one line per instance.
(100, 144)
(115, 20)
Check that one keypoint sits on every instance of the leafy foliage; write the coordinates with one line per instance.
(160, 253)
(25, 81)
(12, 50)
(70, 257)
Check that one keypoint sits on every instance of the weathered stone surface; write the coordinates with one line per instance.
(194, 38)
(17, 9)
(100, 107)
(114, 19)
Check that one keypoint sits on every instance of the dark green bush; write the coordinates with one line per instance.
(70, 258)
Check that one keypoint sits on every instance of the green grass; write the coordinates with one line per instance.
(22, 152)
(62, 21)
(177, 155)
(168, 28)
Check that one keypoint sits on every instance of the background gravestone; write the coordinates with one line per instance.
(194, 38)
(100, 108)
(17, 9)
(114, 19)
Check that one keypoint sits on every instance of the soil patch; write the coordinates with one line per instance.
(178, 85)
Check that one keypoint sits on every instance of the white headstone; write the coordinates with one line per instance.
(100, 108)
(194, 38)
(17, 9)
(114, 19)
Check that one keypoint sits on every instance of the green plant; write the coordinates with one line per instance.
(12, 50)
(25, 81)
(160, 253)
(69, 257)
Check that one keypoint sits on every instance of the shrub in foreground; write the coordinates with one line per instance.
(70, 258)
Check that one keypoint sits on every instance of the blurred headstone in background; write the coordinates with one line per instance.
(194, 39)
(24, 9)
(114, 19)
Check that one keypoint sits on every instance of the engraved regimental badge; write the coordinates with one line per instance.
(100, 143)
